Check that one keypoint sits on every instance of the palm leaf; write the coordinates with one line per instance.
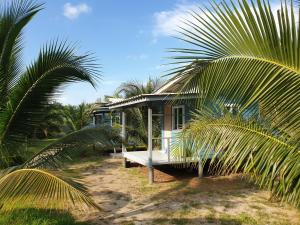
(237, 144)
(252, 58)
(51, 156)
(57, 65)
(14, 16)
(40, 189)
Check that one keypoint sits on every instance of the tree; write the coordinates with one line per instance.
(52, 123)
(134, 88)
(78, 117)
(24, 96)
(137, 117)
(247, 57)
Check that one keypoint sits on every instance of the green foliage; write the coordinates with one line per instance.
(241, 144)
(134, 88)
(52, 124)
(38, 217)
(25, 96)
(137, 117)
(77, 117)
(248, 57)
(23, 189)
(50, 156)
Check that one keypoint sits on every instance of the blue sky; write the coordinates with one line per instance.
(128, 37)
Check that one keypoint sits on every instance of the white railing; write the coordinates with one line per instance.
(166, 144)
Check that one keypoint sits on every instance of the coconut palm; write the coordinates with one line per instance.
(137, 117)
(25, 94)
(248, 57)
(52, 122)
(134, 88)
(77, 117)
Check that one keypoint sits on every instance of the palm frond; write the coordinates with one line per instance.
(252, 57)
(51, 156)
(41, 189)
(239, 144)
(14, 16)
(57, 65)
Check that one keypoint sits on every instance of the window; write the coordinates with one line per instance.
(98, 119)
(178, 117)
(232, 108)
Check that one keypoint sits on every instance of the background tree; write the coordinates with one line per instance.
(78, 117)
(52, 123)
(137, 117)
(247, 57)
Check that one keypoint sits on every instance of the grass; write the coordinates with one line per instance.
(38, 217)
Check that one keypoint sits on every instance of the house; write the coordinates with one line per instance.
(174, 111)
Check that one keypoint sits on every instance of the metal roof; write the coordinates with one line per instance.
(146, 98)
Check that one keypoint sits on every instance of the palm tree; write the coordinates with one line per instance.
(137, 117)
(52, 122)
(247, 57)
(78, 117)
(24, 95)
(134, 88)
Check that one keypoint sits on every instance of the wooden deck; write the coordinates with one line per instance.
(158, 158)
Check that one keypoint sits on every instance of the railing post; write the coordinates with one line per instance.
(150, 167)
(123, 131)
(169, 148)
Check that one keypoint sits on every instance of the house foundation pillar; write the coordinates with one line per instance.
(150, 166)
(200, 169)
(123, 131)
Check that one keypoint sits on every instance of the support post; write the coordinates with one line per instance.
(126, 163)
(200, 169)
(168, 148)
(123, 131)
(94, 120)
(150, 167)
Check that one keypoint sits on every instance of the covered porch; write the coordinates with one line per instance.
(162, 155)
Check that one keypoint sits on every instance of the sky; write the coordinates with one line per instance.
(129, 38)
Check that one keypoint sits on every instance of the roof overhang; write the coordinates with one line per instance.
(145, 99)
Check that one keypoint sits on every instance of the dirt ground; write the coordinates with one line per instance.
(177, 197)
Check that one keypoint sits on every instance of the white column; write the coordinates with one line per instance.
(150, 167)
(123, 131)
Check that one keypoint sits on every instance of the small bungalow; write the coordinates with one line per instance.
(174, 111)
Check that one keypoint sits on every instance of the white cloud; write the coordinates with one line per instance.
(73, 11)
(166, 22)
(137, 57)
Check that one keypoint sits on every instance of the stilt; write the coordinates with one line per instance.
(200, 170)
(126, 163)
(150, 167)
(123, 131)
(151, 175)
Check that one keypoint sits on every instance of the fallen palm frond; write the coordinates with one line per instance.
(36, 188)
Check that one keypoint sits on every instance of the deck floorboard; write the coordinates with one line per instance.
(158, 158)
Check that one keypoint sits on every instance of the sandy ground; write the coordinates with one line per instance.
(177, 197)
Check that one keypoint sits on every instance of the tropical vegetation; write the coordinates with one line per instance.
(25, 94)
(78, 116)
(137, 117)
(245, 59)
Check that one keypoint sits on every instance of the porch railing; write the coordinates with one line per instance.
(163, 142)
